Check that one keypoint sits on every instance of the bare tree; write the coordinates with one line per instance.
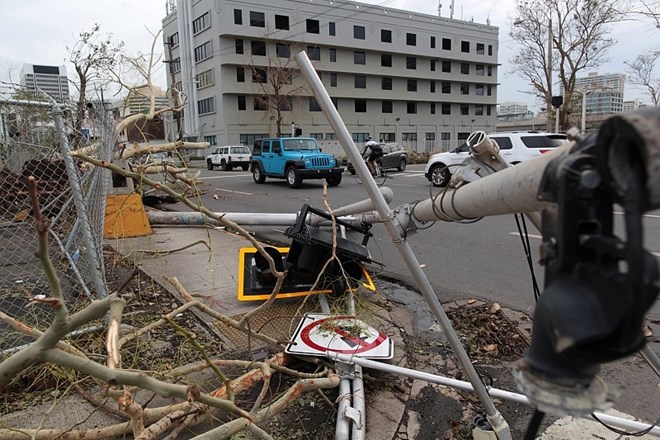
(641, 73)
(278, 82)
(92, 57)
(649, 9)
(579, 32)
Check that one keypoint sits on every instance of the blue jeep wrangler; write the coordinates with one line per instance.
(293, 159)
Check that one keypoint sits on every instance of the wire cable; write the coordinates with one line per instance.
(622, 432)
(524, 238)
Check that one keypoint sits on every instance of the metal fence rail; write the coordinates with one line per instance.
(34, 141)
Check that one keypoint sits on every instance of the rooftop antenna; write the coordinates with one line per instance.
(451, 8)
(439, 8)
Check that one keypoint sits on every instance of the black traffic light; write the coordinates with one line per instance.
(557, 101)
(298, 132)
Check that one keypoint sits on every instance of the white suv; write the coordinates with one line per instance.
(229, 157)
(515, 147)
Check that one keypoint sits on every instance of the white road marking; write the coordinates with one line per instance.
(235, 192)
(225, 177)
(644, 215)
(657, 254)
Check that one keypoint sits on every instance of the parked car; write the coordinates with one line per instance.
(293, 159)
(515, 147)
(394, 156)
(227, 158)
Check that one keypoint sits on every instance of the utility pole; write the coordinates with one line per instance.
(549, 125)
(177, 115)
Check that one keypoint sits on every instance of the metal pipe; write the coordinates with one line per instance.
(462, 385)
(359, 427)
(495, 418)
(241, 218)
(342, 426)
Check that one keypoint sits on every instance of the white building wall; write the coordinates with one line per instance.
(228, 125)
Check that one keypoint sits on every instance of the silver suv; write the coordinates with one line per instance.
(515, 147)
(229, 157)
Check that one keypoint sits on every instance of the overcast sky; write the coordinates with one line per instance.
(38, 32)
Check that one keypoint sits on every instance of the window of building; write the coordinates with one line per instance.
(386, 83)
(257, 19)
(490, 70)
(433, 108)
(206, 106)
(333, 55)
(432, 65)
(360, 82)
(489, 90)
(446, 108)
(203, 52)
(429, 136)
(238, 16)
(176, 66)
(490, 50)
(332, 29)
(259, 75)
(333, 80)
(387, 106)
(260, 103)
(479, 89)
(445, 139)
(174, 40)
(360, 137)
(241, 102)
(479, 69)
(412, 85)
(446, 87)
(360, 106)
(478, 109)
(411, 63)
(359, 32)
(239, 46)
(385, 35)
(330, 137)
(406, 137)
(386, 60)
(488, 110)
(465, 89)
(212, 140)
(282, 22)
(465, 68)
(313, 26)
(411, 107)
(465, 109)
(446, 66)
(411, 39)
(201, 23)
(314, 53)
(178, 86)
(285, 75)
(387, 137)
(432, 42)
(248, 139)
(359, 57)
(258, 47)
(465, 46)
(286, 103)
(282, 50)
(480, 48)
(432, 86)
(335, 102)
(446, 44)
(314, 105)
(204, 79)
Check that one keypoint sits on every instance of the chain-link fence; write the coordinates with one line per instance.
(35, 136)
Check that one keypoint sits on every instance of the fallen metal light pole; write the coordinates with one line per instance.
(617, 422)
(496, 420)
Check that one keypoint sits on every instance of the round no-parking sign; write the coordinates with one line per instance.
(320, 334)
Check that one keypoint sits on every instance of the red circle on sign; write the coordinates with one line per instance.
(363, 346)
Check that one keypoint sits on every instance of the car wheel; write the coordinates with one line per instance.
(224, 166)
(245, 167)
(333, 180)
(402, 164)
(209, 165)
(440, 175)
(257, 174)
(292, 177)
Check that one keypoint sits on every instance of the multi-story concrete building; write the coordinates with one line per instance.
(635, 104)
(139, 100)
(50, 79)
(398, 76)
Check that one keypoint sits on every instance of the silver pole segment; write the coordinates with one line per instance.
(342, 426)
(76, 192)
(360, 427)
(651, 358)
(494, 417)
(462, 385)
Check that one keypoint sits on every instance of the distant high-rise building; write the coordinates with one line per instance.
(629, 106)
(51, 79)
(604, 93)
(138, 100)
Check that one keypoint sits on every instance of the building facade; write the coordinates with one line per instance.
(604, 93)
(398, 76)
(50, 79)
(139, 100)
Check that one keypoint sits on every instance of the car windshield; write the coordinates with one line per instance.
(549, 141)
(300, 144)
(240, 150)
